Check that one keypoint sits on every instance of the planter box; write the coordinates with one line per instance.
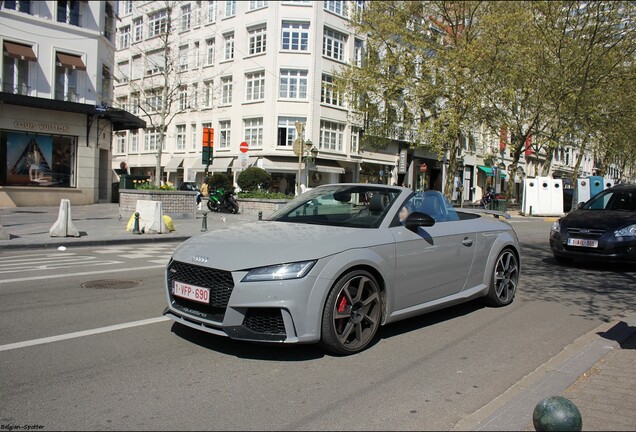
(176, 204)
(254, 205)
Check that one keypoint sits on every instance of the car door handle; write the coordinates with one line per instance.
(467, 242)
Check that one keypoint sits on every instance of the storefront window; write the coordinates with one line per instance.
(28, 159)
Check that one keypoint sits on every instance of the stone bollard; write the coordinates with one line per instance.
(4, 235)
(556, 413)
(135, 229)
(64, 226)
(260, 215)
(204, 222)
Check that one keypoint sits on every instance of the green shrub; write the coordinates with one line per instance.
(254, 178)
(264, 195)
(219, 181)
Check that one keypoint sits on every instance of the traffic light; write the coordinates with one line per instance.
(208, 146)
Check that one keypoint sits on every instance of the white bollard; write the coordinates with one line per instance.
(64, 226)
(151, 217)
(4, 235)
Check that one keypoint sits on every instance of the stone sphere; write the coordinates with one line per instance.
(556, 413)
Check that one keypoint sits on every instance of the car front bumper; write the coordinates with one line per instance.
(610, 249)
(274, 311)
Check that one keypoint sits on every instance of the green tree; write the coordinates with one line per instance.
(254, 178)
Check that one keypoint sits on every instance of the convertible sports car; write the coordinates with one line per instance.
(339, 261)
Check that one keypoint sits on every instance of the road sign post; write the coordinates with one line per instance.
(243, 156)
(298, 149)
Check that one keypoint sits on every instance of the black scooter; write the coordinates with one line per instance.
(221, 201)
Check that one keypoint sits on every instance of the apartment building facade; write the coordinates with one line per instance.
(250, 70)
(56, 119)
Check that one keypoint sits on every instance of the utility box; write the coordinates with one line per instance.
(530, 203)
(581, 192)
(556, 198)
(608, 182)
(597, 184)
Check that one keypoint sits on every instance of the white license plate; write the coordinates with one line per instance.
(191, 292)
(583, 243)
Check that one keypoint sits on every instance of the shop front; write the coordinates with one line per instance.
(51, 150)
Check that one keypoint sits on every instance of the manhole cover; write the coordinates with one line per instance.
(112, 284)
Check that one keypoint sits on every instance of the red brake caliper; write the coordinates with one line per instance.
(342, 305)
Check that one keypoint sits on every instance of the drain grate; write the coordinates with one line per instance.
(112, 284)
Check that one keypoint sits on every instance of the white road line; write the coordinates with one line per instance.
(78, 334)
(66, 275)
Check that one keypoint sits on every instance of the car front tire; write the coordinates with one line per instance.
(352, 313)
(504, 280)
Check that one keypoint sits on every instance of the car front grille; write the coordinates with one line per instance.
(591, 232)
(265, 321)
(219, 282)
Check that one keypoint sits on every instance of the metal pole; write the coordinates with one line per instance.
(300, 162)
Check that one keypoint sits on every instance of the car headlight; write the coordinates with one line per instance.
(295, 270)
(628, 231)
(556, 227)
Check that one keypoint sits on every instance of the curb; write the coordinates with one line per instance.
(86, 243)
(512, 410)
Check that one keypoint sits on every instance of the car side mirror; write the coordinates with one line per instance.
(580, 205)
(417, 219)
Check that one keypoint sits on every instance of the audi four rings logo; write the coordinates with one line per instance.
(199, 259)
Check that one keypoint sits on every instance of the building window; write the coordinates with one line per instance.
(328, 92)
(209, 56)
(183, 58)
(230, 8)
(358, 52)
(208, 88)
(107, 86)
(128, 7)
(68, 12)
(287, 130)
(355, 140)
(186, 17)
(151, 140)
(360, 5)
(134, 103)
(122, 103)
(29, 159)
(333, 44)
(226, 90)
(133, 142)
(197, 54)
(253, 132)
(183, 98)
(258, 40)
(257, 4)
(137, 67)
(138, 25)
(124, 37)
(120, 146)
(181, 137)
(228, 39)
(255, 86)
(66, 77)
(157, 23)
(295, 36)
(331, 136)
(293, 84)
(155, 62)
(337, 7)
(193, 136)
(154, 100)
(15, 74)
(212, 11)
(194, 96)
(224, 134)
(20, 6)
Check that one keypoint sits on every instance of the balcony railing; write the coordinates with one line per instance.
(20, 89)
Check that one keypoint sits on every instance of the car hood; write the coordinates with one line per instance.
(263, 243)
(599, 219)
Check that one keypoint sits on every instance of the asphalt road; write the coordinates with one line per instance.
(130, 369)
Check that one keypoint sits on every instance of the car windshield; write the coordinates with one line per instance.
(358, 206)
(612, 199)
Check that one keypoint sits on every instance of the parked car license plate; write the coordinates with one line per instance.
(582, 242)
(191, 292)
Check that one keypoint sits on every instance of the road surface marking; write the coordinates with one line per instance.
(79, 334)
(34, 278)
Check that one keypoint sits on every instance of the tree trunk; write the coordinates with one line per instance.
(577, 166)
(452, 167)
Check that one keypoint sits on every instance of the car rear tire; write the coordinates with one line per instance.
(505, 278)
(352, 313)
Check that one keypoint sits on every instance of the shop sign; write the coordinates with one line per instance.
(37, 126)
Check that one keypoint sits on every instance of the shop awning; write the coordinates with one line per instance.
(19, 51)
(488, 171)
(329, 166)
(173, 164)
(250, 162)
(275, 164)
(70, 61)
(219, 164)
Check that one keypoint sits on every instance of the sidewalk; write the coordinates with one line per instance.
(99, 224)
